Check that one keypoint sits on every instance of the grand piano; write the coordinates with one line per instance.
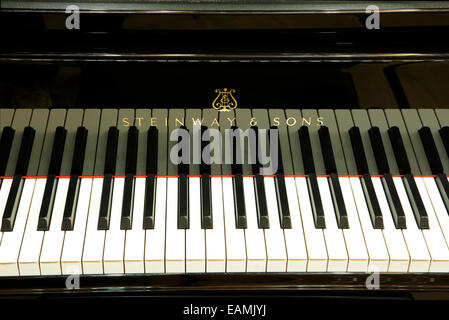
(93, 206)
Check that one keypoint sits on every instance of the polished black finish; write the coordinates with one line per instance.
(443, 186)
(57, 151)
(431, 150)
(338, 201)
(261, 202)
(152, 143)
(131, 150)
(12, 204)
(306, 150)
(281, 196)
(150, 202)
(372, 202)
(5, 147)
(327, 150)
(378, 150)
(183, 202)
(79, 151)
(315, 201)
(206, 202)
(47, 203)
(239, 202)
(104, 217)
(416, 203)
(71, 203)
(111, 151)
(26, 146)
(358, 151)
(394, 203)
(399, 150)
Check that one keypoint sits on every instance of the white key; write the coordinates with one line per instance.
(94, 240)
(215, 237)
(114, 245)
(50, 259)
(32, 239)
(316, 247)
(155, 238)
(195, 237)
(355, 242)
(235, 238)
(414, 239)
(399, 257)
(4, 192)
(374, 238)
(436, 243)
(174, 238)
(335, 243)
(255, 240)
(135, 238)
(72, 250)
(274, 236)
(438, 205)
(11, 241)
(294, 237)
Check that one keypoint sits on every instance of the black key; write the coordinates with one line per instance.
(111, 151)
(239, 202)
(47, 203)
(281, 195)
(183, 202)
(5, 148)
(431, 150)
(255, 167)
(367, 184)
(152, 143)
(391, 193)
(130, 170)
(71, 202)
(327, 150)
(315, 201)
(279, 153)
(399, 150)
(79, 151)
(358, 151)
(334, 184)
(206, 204)
(444, 133)
(443, 186)
(416, 203)
(205, 140)
(338, 201)
(306, 150)
(51, 184)
(261, 202)
(127, 205)
(12, 204)
(183, 167)
(378, 150)
(104, 216)
(372, 202)
(150, 202)
(236, 167)
(26, 146)
(397, 212)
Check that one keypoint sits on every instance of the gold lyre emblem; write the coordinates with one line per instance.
(224, 101)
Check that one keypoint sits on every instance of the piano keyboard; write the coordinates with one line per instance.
(85, 192)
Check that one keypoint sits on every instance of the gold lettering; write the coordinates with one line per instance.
(179, 122)
(125, 122)
(320, 121)
(253, 122)
(197, 121)
(153, 122)
(289, 123)
(215, 122)
(231, 121)
(304, 120)
(139, 121)
(276, 121)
